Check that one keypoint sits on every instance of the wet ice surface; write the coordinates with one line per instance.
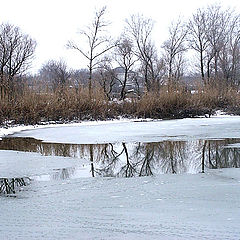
(56, 160)
(64, 202)
(20, 164)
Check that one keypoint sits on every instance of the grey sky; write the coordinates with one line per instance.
(53, 22)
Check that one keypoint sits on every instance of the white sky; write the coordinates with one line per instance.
(53, 22)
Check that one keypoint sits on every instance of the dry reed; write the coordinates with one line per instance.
(70, 104)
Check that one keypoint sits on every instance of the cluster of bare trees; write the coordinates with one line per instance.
(211, 38)
(16, 53)
(55, 74)
(214, 34)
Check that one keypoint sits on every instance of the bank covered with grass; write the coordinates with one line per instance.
(31, 107)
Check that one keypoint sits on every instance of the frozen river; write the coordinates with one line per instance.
(147, 180)
(138, 131)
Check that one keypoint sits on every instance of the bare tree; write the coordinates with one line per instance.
(229, 55)
(217, 28)
(98, 43)
(106, 77)
(55, 73)
(126, 59)
(79, 78)
(140, 29)
(154, 69)
(16, 53)
(215, 36)
(174, 48)
(197, 37)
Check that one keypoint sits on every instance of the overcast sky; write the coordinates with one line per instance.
(53, 22)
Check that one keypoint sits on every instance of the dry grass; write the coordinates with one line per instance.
(71, 104)
(30, 107)
(177, 102)
(168, 102)
(209, 97)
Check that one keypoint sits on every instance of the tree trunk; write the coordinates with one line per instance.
(202, 68)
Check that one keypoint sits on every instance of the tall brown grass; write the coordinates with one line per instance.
(168, 102)
(70, 104)
(32, 107)
(213, 97)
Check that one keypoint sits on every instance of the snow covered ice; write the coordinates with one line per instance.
(137, 131)
(162, 206)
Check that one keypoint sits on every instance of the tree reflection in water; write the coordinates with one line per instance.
(137, 159)
(217, 154)
(63, 173)
(11, 185)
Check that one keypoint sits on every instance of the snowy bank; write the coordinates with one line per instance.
(217, 127)
(5, 131)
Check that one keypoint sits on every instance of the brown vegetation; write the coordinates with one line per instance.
(69, 104)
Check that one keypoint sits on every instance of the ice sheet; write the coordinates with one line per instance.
(202, 206)
(130, 131)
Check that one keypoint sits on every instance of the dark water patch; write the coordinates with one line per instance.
(136, 159)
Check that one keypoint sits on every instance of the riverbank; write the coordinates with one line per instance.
(71, 105)
(10, 128)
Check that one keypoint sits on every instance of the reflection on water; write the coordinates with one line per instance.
(12, 185)
(136, 159)
(63, 173)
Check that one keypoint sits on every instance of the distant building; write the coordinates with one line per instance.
(134, 84)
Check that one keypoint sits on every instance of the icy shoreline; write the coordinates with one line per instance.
(5, 131)
(132, 130)
(9, 130)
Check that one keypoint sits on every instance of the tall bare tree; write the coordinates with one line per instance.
(98, 43)
(229, 55)
(140, 30)
(197, 37)
(106, 77)
(217, 28)
(16, 53)
(174, 48)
